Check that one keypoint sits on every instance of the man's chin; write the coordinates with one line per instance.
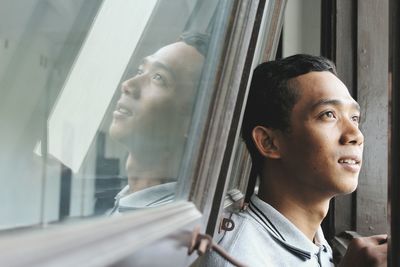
(349, 187)
(117, 133)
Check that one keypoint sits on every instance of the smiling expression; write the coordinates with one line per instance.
(155, 104)
(323, 149)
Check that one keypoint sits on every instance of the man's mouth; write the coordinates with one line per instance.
(122, 111)
(350, 163)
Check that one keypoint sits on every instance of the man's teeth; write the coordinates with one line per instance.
(348, 161)
(124, 111)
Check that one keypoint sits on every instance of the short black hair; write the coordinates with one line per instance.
(198, 40)
(272, 97)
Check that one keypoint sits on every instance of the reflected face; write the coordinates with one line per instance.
(324, 148)
(157, 101)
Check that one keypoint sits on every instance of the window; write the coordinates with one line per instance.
(102, 102)
(70, 74)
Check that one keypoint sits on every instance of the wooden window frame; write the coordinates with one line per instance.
(394, 164)
(348, 47)
(263, 48)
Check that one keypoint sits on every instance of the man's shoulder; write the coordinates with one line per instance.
(264, 236)
(246, 243)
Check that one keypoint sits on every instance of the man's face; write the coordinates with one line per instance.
(156, 102)
(323, 149)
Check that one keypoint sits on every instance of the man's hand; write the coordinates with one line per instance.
(366, 251)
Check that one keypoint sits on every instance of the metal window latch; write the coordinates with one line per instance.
(226, 225)
(203, 243)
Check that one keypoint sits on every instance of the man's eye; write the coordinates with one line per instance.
(355, 119)
(159, 78)
(329, 115)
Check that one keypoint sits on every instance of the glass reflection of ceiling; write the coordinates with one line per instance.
(92, 81)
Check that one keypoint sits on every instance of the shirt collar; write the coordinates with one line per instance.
(148, 197)
(284, 231)
(124, 192)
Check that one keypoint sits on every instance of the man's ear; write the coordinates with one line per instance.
(267, 142)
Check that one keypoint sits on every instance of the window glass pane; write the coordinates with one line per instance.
(240, 168)
(98, 100)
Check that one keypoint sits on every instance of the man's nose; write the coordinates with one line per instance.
(131, 87)
(351, 134)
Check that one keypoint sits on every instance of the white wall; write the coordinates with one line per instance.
(302, 27)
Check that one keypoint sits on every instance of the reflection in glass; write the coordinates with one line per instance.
(151, 120)
(97, 70)
(38, 43)
(95, 103)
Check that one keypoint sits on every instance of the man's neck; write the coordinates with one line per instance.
(142, 174)
(304, 209)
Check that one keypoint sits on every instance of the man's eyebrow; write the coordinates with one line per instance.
(158, 64)
(334, 102)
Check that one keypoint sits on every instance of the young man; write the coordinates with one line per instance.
(301, 127)
(151, 121)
